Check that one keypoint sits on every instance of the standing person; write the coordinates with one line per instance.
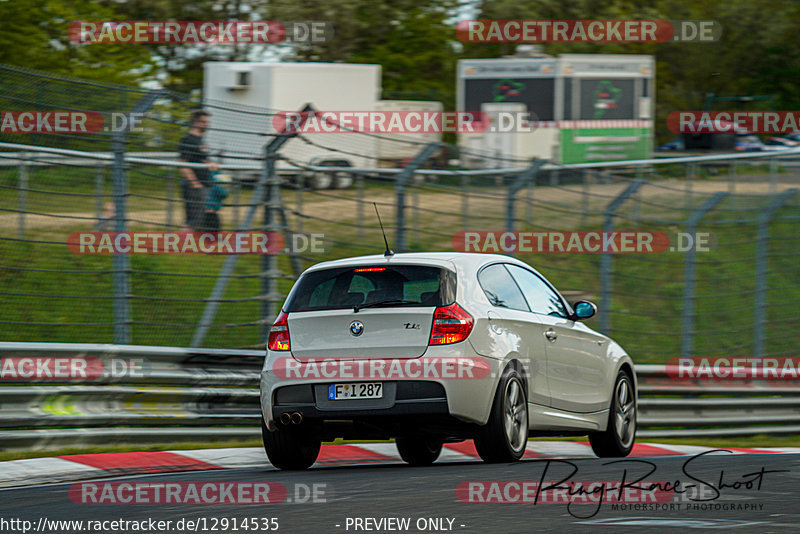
(196, 181)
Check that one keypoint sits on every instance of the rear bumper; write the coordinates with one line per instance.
(467, 399)
(400, 398)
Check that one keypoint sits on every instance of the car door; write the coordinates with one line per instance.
(576, 356)
(513, 330)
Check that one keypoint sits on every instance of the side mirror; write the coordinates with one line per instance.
(584, 309)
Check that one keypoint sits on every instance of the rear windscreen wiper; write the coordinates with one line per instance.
(382, 302)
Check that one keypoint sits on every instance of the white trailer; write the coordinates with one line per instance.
(574, 108)
(397, 149)
(243, 97)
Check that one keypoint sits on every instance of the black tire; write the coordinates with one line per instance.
(342, 180)
(318, 181)
(290, 448)
(620, 434)
(493, 442)
(418, 450)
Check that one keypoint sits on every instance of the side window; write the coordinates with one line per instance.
(500, 288)
(540, 297)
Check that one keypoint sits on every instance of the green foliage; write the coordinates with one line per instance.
(413, 41)
(35, 34)
(756, 55)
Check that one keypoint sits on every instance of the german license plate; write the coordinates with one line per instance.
(359, 390)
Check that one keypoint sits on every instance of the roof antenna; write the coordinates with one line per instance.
(388, 252)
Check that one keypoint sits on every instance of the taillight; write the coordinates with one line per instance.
(451, 324)
(279, 333)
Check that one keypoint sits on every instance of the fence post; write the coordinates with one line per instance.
(288, 237)
(271, 151)
(554, 177)
(732, 177)
(269, 262)
(464, 201)
(585, 196)
(762, 243)
(773, 176)
(414, 211)
(401, 183)
(360, 205)
(121, 265)
(99, 185)
(301, 185)
(23, 193)
(120, 262)
(523, 180)
(171, 181)
(237, 200)
(637, 204)
(687, 321)
(606, 259)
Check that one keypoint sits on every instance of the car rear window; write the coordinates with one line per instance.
(345, 287)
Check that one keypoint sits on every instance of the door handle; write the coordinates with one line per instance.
(551, 335)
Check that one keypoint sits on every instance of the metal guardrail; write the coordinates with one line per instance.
(169, 159)
(141, 394)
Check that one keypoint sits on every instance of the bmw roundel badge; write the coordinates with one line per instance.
(356, 328)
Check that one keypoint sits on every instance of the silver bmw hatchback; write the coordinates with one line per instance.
(434, 348)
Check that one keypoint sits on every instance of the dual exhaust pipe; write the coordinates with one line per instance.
(294, 418)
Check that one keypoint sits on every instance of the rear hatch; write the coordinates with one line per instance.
(381, 311)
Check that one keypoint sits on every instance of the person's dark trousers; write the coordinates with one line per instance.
(211, 222)
(194, 199)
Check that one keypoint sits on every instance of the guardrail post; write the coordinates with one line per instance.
(691, 169)
(259, 196)
(687, 321)
(401, 184)
(762, 243)
(23, 194)
(523, 180)
(732, 177)
(606, 259)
